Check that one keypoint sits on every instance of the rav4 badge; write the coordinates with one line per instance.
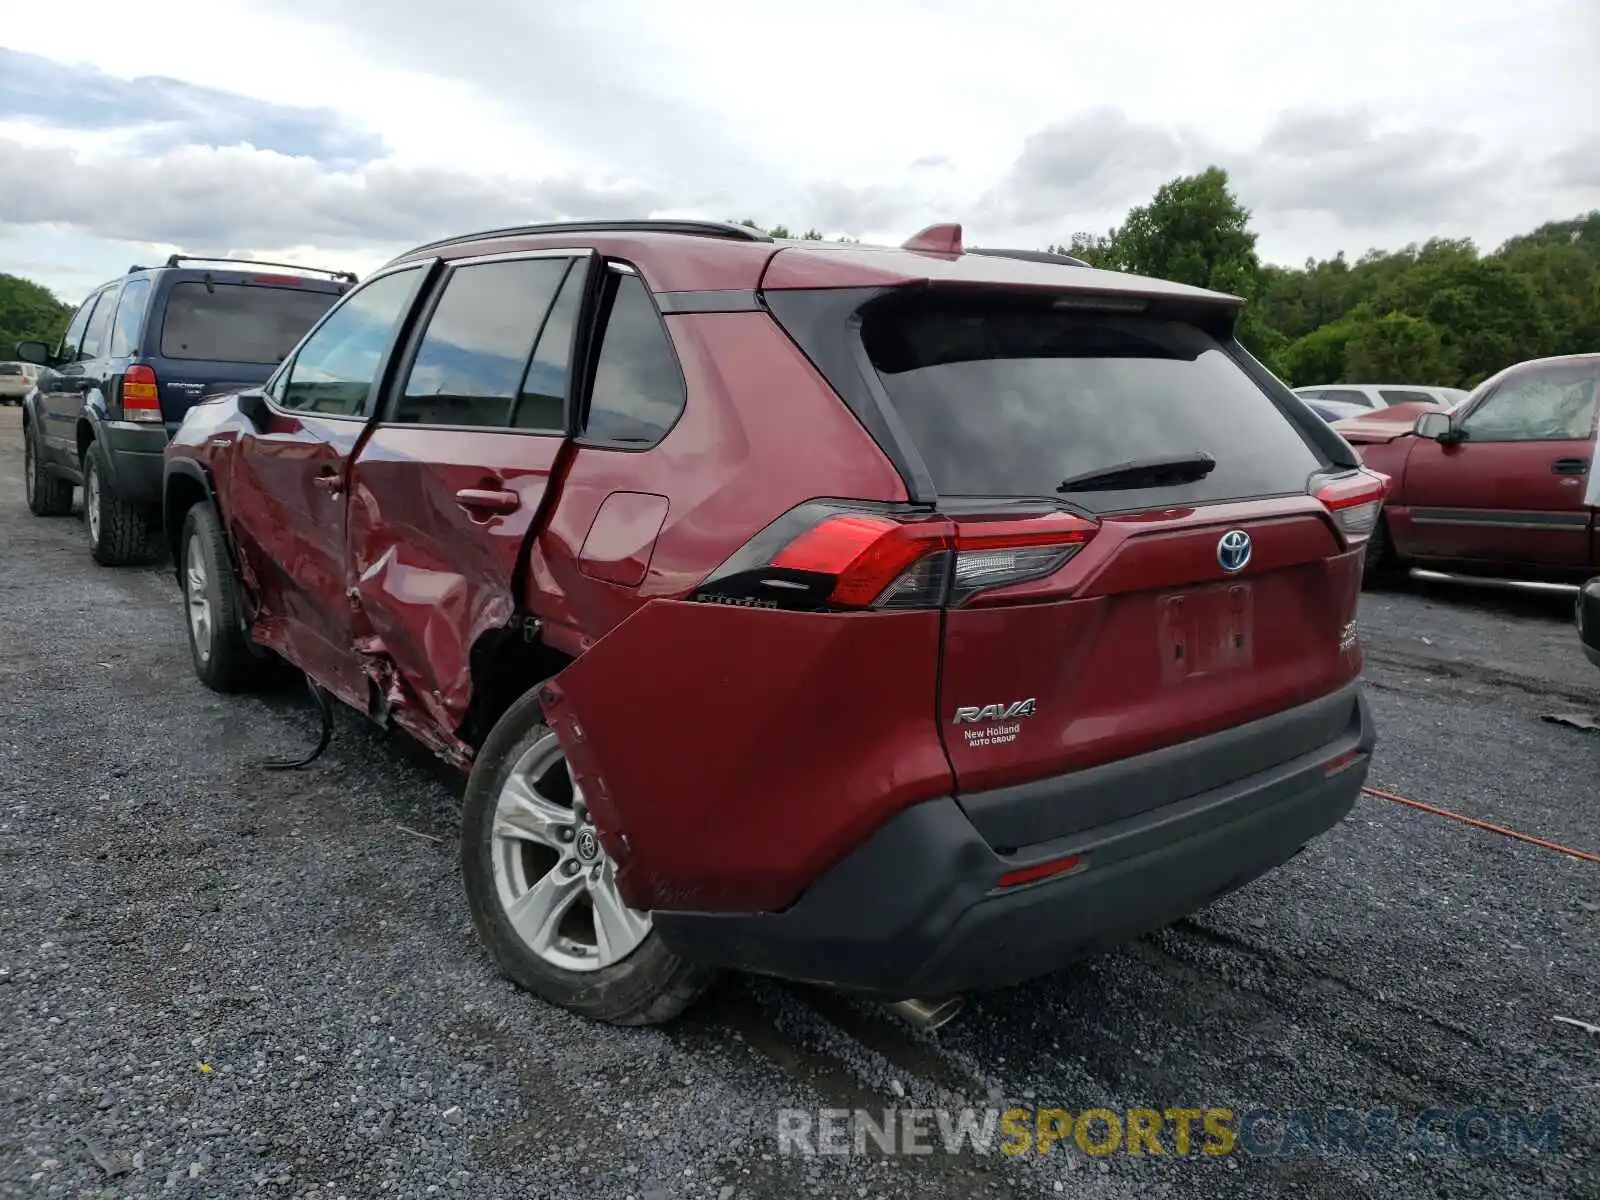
(995, 712)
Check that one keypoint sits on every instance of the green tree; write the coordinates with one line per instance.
(1395, 347)
(1318, 356)
(28, 310)
(1194, 231)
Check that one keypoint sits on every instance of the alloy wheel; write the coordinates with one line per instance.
(555, 882)
(199, 600)
(91, 502)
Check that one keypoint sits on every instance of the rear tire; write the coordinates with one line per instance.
(48, 496)
(121, 534)
(213, 608)
(555, 868)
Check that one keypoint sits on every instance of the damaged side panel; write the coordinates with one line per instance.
(731, 755)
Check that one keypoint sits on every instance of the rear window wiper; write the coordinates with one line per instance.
(1167, 471)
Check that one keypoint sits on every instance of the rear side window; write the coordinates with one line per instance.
(125, 329)
(1010, 397)
(238, 322)
(1399, 396)
(97, 337)
(638, 390)
(472, 364)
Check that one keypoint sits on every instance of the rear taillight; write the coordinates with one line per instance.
(140, 399)
(1354, 501)
(850, 557)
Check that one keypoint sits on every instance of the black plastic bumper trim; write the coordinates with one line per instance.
(910, 912)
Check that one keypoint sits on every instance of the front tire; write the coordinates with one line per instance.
(221, 653)
(542, 890)
(121, 533)
(48, 496)
(1381, 565)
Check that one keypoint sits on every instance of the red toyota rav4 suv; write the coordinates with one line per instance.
(904, 620)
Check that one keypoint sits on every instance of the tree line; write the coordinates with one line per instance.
(1440, 313)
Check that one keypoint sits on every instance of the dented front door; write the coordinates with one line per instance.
(290, 473)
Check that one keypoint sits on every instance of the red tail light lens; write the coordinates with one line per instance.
(141, 401)
(837, 556)
(1355, 500)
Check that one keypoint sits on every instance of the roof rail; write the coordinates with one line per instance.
(257, 262)
(1039, 256)
(713, 229)
(136, 268)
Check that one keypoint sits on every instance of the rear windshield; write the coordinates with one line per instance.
(10, 369)
(1008, 398)
(237, 322)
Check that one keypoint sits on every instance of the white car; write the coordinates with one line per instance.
(1382, 395)
(17, 379)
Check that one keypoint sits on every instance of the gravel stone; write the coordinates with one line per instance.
(232, 982)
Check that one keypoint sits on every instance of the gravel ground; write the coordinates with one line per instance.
(217, 981)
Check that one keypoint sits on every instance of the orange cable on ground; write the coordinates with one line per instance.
(1477, 824)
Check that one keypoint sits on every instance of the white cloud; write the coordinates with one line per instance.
(1026, 119)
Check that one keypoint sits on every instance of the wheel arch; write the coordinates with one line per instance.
(505, 664)
(184, 484)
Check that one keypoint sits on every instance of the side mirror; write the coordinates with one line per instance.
(1435, 426)
(37, 353)
(254, 406)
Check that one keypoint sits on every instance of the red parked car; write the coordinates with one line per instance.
(1504, 485)
(904, 620)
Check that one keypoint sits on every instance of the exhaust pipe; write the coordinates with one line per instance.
(928, 1014)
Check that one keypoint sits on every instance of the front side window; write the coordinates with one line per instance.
(334, 371)
(1543, 404)
(130, 312)
(472, 364)
(97, 336)
(638, 390)
(1347, 396)
(73, 338)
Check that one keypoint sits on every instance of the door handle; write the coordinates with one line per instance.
(1570, 466)
(329, 482)
(486, 500)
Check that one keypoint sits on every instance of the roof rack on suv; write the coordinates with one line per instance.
(1040, 256)
(175, 259)
(715, 229)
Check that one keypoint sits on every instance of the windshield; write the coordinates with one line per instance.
(1010, 398)
(241, 323)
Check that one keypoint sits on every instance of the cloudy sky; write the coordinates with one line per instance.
(339, 131)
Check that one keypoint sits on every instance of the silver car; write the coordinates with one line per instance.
(1382, 395)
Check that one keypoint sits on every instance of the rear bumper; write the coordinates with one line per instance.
(135, 454)
(1588, 619)
(914, 910)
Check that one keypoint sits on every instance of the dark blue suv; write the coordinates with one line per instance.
(138, 353)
